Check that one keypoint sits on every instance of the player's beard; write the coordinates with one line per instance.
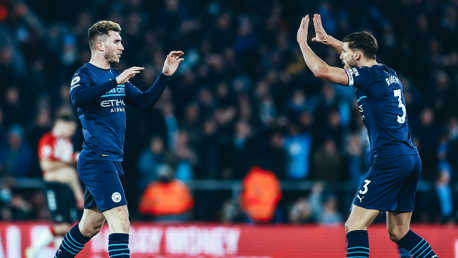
(351, 63)
(112, 58)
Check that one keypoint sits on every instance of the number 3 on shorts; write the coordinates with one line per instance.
(367, 182)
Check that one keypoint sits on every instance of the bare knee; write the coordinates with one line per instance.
(351, 225)
(397, 233)
(90, 229)
(123, 222)
(118, 220)
(347, 226)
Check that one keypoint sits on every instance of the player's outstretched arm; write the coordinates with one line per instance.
(319, 68)
(172, 62)
(128, 74)
(144, 101)
(81, 93)
(323, 37)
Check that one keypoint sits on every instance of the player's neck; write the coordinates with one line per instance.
(99, 61)
(368, 63)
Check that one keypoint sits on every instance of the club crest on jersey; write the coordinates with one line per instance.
(116, 197)
(75, 80)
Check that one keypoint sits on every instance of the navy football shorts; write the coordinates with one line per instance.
(390, 184)
(61, 202)
(103, 184)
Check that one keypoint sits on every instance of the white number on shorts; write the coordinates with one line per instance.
(365, 187)
(401, 119)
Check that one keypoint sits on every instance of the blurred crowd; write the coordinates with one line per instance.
(242, 97)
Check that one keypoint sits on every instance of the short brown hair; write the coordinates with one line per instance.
(363, 41)
(101, 29)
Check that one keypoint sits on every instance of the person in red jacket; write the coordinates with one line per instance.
(167, 199)
(260, 194)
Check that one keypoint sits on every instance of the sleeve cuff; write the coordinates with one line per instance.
(164, 77)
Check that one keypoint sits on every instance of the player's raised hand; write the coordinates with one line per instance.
(128, 73)
(172, 62)
(321, 35)
(303, 30)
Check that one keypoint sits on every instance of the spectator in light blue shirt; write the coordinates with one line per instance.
(298, 146)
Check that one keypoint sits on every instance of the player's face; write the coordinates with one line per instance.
(347, 57)
(68, 129)
(113, 47)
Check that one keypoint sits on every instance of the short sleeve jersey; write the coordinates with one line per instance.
(382, 108)
(52, 148)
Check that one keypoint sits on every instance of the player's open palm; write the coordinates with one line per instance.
(128, 73)
(172, 62)
(321, 35)
(303, 30)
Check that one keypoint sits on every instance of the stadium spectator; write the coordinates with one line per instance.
(166, 199)
(301, 212)
(13, 103)
(324, 208)
(355, 158)
(238, 158)
(298, 145)
(149, 160)
(16, 157)
(182, 158)
(428, 133)
(327, 162)
(209, 150)
(440, 204)
(260, 195)
(274, 156)
(3, 131)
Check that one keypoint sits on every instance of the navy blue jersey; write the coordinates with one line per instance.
(382, 108)
(101, 109)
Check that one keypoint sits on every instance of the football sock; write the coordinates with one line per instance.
(72, 243)
(358, 244)
(403, 253)
(416, 245)
(118, 245)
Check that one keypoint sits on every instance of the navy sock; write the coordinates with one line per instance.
(358, 243)
(72, 243)
(416, 245)
(403, 253)
(118, 245)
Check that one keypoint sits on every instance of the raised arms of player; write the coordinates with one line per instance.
(319, 68)
(81, 93)
(323, 37)
(145, 100)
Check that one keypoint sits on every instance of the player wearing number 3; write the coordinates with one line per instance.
(392, 179)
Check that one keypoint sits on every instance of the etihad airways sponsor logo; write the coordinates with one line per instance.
(117, 105)
(112, 103)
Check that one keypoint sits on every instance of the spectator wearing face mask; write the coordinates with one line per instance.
(166, 199)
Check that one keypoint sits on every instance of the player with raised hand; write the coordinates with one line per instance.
(391, 182)
(100, 93)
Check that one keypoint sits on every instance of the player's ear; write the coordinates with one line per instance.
(100, 46)
(357, 55)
